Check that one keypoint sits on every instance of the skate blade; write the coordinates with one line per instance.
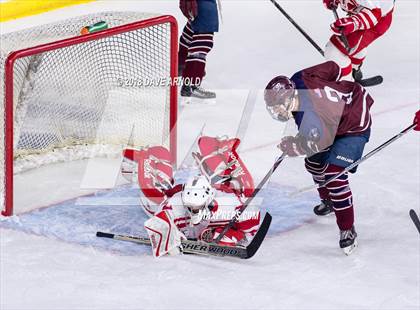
(193, 101)
(350, 249)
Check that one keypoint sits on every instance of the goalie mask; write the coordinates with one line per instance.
(280, 99)
(196, 195)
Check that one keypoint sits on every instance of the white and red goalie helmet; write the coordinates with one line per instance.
(197, 193)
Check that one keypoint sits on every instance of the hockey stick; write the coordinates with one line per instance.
(356, 163)
(203, 248)
(303, 32)
(249, 199)
(415, 219)
(343, 37)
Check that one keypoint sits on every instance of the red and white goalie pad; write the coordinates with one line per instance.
(164, 235)
(220, 160)
(155, 173)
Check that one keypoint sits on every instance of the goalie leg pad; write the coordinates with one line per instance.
(222, 160)
(164, 235)
(155, 172)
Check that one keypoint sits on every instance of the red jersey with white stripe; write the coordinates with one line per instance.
(367, 13)
(355, 6)
(221, 211)
(330, 108)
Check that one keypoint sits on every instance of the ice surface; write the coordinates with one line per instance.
(301, 268)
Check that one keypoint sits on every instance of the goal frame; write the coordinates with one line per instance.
(9, 92)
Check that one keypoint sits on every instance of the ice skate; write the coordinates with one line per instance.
(188, 93)
(325, 208)
(348, 241)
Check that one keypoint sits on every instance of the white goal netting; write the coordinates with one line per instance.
(85, 99)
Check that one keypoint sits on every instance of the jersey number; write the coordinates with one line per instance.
(334, 95)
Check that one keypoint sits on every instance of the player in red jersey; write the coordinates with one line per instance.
(367, 21)
(334, 123)
(200, 207)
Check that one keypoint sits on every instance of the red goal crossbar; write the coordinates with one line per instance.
(9, 73)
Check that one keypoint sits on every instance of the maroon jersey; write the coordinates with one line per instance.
(330, 108)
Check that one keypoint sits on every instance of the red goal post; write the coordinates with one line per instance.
(129, 30)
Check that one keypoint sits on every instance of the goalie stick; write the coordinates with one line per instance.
(368, 82)
(415, 219)
(209, 249)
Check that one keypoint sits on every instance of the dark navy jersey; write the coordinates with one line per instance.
(330, 108)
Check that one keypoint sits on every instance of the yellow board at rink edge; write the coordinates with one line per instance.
(14, 9)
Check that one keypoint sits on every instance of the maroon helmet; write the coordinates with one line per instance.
(279, 98)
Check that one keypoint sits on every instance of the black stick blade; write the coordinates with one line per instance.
(101, 234)
(256, 242)
(415, 219)
(372, 81)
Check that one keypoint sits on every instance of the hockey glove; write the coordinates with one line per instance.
(298, 146)
(291, 146)
(189, 8)
(345, 25)
(331, 4)
(417, 121)
(364, 20)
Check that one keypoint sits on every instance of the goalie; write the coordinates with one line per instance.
(199, 208)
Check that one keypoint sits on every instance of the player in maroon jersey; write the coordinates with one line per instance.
(333, 123)
(367, 20)
(195, 44)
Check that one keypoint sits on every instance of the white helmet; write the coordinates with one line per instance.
(197, 193)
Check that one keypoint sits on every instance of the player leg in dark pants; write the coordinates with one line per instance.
(184, 45)
(195, 44)
(325, 165)
(316, 165)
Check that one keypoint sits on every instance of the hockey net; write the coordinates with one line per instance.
(70, 97)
